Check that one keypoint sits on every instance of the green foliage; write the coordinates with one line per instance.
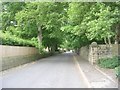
(109, 62)
(8, 39)
(67, 25)
(9, 11)
(94, 21)
(117, 71)
(100, 22)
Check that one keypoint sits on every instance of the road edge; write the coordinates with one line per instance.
(82, 73)
(105, 74)
(86, 78)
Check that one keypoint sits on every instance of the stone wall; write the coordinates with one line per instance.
(9, 51)
(12, 56)
(95, 52)
(84, 52)
(106, 51)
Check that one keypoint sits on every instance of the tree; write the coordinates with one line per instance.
(8, 13)
(62, 24)
(47, 17)
(101, 21)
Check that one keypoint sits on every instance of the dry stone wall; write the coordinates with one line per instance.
(95, 52)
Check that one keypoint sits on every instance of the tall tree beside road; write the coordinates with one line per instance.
(63, 24)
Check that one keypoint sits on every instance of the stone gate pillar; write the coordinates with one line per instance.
(93, 57)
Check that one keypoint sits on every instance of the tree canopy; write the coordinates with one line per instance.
(67, 25)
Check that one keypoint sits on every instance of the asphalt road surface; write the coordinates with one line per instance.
(58, 71)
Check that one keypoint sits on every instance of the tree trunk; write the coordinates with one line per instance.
(116, 41)
(53, 49)
(56, 47)
(49, 49)
(117, 36)
(105, 40)
(109, 40)
(39, 34)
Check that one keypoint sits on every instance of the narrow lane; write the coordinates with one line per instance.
(54, 72)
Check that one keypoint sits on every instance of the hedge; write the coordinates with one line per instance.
(7, 39)
(110, 63)
(117, 71)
